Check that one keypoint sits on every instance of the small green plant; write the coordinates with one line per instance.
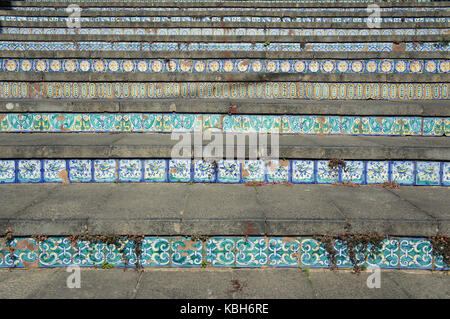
(107, 265)
(203, 264)
(266, 44)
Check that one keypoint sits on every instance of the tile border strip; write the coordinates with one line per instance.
(419, 173)
(221, 251)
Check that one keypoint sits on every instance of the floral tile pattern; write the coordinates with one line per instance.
(19, 253)
(7, 171)
(251, 252)
(186, 252)
(415, 253)
(180, 170)
(302, 171)
(155, 170)
(130, 170)
(377, 172)
(221, 251)
(155, 252)
(326, 174)
(105, 170)
(204, 171)
(277, 171)
(229, 171)
(313, 254)
(385, 256)
(55, 171)
(55, 252)
(284, 252)
(354, 172)
(253, 171)
(29, 171)
(80, 170)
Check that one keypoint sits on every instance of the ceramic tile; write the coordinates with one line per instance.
(446, 173)
(415, 253)
(186, 252)
(354, 172)
(385, 256)
(155, 170)
(428, 173)
(284, 252)
(221, 251)
(155, 252)
(403, 172)
(7, 171)
(29, 171)
(277, 171)
(313, 254)
(180, 170)
(325, 174)
(105, 170)
(55, 171)
(130, 170)
(19, 253)
(251, 252)
(253, 171)
(55, 252)
(377, 172)
(80, 170)
(302, 171)
(228, 171)
(204, 171)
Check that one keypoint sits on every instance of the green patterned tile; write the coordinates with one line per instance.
(186, 252)
(251, 252)
(221, 251)
(284, 252)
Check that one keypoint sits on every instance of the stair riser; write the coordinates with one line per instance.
(419, 173)
(177, 251)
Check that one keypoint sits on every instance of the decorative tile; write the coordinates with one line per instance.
(29, 171)
(228, 171)
(402, 172)
(302, 171)
(186, 252)
(55, 171)
(105, 170)
(155, 170)
(446, 173)
(155, 252)
(80, 170)
(291, 124)
(204, 171)
(284, 252)
(447, 126)
(253, 171)
(325, 174)
(351, 125)
(88, 254)
(353, 172)
(19, 253)
(439, 263)
(180, 170)
(377, 172)
(120, 254)
(7, 171)
(342, 255)
(221, 251)
(277, 171)
(428, 173)
(386, 256)
(313, 254)
(212, 122)
(415, 253)
(55, 252)
(433, 126)
(251, 252)
(270, 124)
(130, 170)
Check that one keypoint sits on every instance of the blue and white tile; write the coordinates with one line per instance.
(155, 252)
(155, 170)
(428, 173)
(55, 171)
(313, 254)
(228, 171)
(80, 171)
(29, 171)
(277, 171)
(55, 252)
(186, 252)
(377, 172)
(105, 170)
(180, 170)
(130, 170)
(326, 174)
(403, 172)
(204, 171)
(386, 256)
(302, 171)
(445, 173)
(253, 171)
(7, 171)
(353, 172)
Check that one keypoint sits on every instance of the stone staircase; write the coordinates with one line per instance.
(87, 113)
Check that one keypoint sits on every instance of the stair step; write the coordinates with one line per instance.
(139, 145)
(218, 210)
